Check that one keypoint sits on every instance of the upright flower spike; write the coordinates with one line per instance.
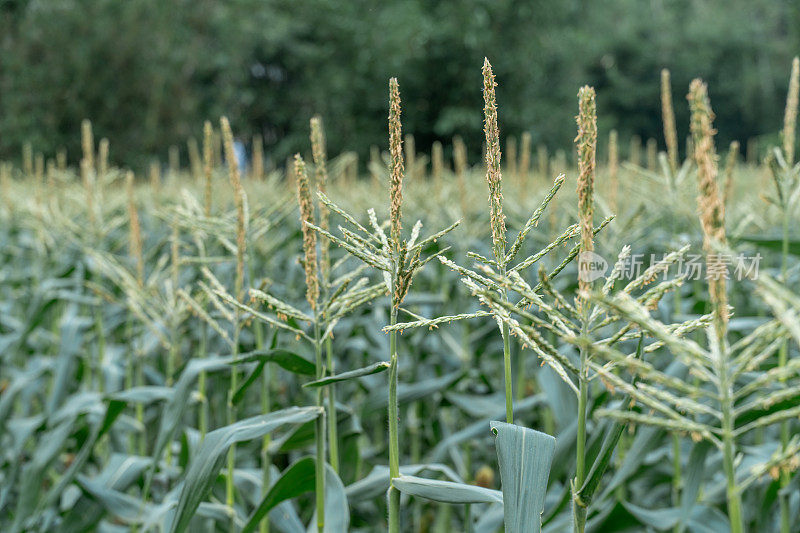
(668, 118)
(194, 158)
(712, 209)
(309, 236)
(790, 115)
(135, 240)
(321, 178)
(208, 163)
(155, 175)
(493, 175)
(543, 159)
(525, 155)
(511, 154)
(238, 197)
(396, 152)
(87, 143)
(730, 167)
(258, 158)
(27, 159)
(635, 150)
(38, 166)
(437, 161)
(88, 186)
(652, 154)
(460, 168)
(410, 149)
(613, 168)
(102, 153)
(587, 149)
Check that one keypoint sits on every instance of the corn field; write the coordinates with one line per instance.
(600, 339)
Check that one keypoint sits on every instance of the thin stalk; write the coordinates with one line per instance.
(547, 411)
(103, 444)
(580, 464)
(507, 374)
(266, 461)
(202, 352)
(729, 447)
(139, 380)
(521, 375)
(333, 438)
(320, 434)
(394, 444)
(677, 477)
(174, 338)
(101, 347)
(172, 357)
(579, 511)
(129, 372)
(677, 480)
(231, 418)
(266, 480)
(266, 477)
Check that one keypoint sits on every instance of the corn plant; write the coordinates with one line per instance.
(339, 297)
(398, 260)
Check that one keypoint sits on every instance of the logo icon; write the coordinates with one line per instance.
(591, 266)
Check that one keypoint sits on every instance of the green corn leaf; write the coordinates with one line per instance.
(771, 243)
(18, 384)
(703, 519)
(52, 443)
(209, 459)
(119, 473)
(297, 479)
(251, 378)
(695, 471)
(30, 506)
(525, 457)
(337, 511)
(287, 360)
(377, 481)
(143, 395)
(352, 374)
(445, 491)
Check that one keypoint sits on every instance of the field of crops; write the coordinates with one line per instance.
(605, 345)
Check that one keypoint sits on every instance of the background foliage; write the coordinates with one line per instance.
(148, 72)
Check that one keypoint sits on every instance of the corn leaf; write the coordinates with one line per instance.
(525, 457)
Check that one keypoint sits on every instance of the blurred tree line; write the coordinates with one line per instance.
(149, 72)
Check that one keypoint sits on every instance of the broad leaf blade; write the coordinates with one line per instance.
(525, 457)
(295, 480)
(211, 456)
(352, 374)
(446, 491)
